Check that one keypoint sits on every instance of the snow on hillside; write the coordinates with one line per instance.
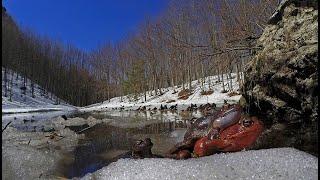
(43, 105)
(23, 106)
(171, 94)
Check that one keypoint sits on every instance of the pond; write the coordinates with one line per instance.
(105, 142)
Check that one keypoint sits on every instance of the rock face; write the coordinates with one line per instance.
(281, 81)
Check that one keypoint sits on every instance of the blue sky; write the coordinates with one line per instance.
(84, 23)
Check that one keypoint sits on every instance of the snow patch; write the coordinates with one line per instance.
(23, 106)
(171, 93)
(25, 162)
(279, 163)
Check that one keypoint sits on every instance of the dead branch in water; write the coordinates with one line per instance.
(85, 129)
(6, 126)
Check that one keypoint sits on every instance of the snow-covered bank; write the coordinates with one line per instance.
(279, 163)
(23, 105)
(29, 110)
(17, 118)
(170, 96)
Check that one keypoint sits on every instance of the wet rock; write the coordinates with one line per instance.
(48, 129)
(281, 81)
(207, 109)
(64, 117)
(174, 107)
(161, 107)
(28, 121)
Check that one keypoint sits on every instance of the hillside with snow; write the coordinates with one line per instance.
(19, 103)
(171, 96)
(43, 105)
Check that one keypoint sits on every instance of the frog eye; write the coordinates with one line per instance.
(247, 122)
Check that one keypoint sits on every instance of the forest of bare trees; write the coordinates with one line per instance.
(191, 40)
(57, 68)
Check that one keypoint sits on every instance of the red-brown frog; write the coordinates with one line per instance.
(225, 131)
(234, 138)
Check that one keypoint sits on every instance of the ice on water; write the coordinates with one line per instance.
(279, 163)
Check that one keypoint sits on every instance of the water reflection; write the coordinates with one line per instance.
(103, 143)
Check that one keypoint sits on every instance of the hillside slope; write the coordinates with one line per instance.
(171, 96)
(22, 105)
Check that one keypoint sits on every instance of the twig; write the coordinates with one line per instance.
(60, 138)
(85, 129)
(194, 94)
(76, 132)
(6, 126)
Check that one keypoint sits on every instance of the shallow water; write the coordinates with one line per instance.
(105, 142)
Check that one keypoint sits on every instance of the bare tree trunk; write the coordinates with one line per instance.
(230, 78)
(223, 86)
(209, 82)
(182, 80)
(108, 94)
(32, 90)
(202, 75)
(218, 74)
(5, 82)
(24, 84)
(238, 73)
(145, 95)
(228, 82)
(154, 85)
(189, 75)
(11, 86)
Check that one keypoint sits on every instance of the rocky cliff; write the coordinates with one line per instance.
(281, 81)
